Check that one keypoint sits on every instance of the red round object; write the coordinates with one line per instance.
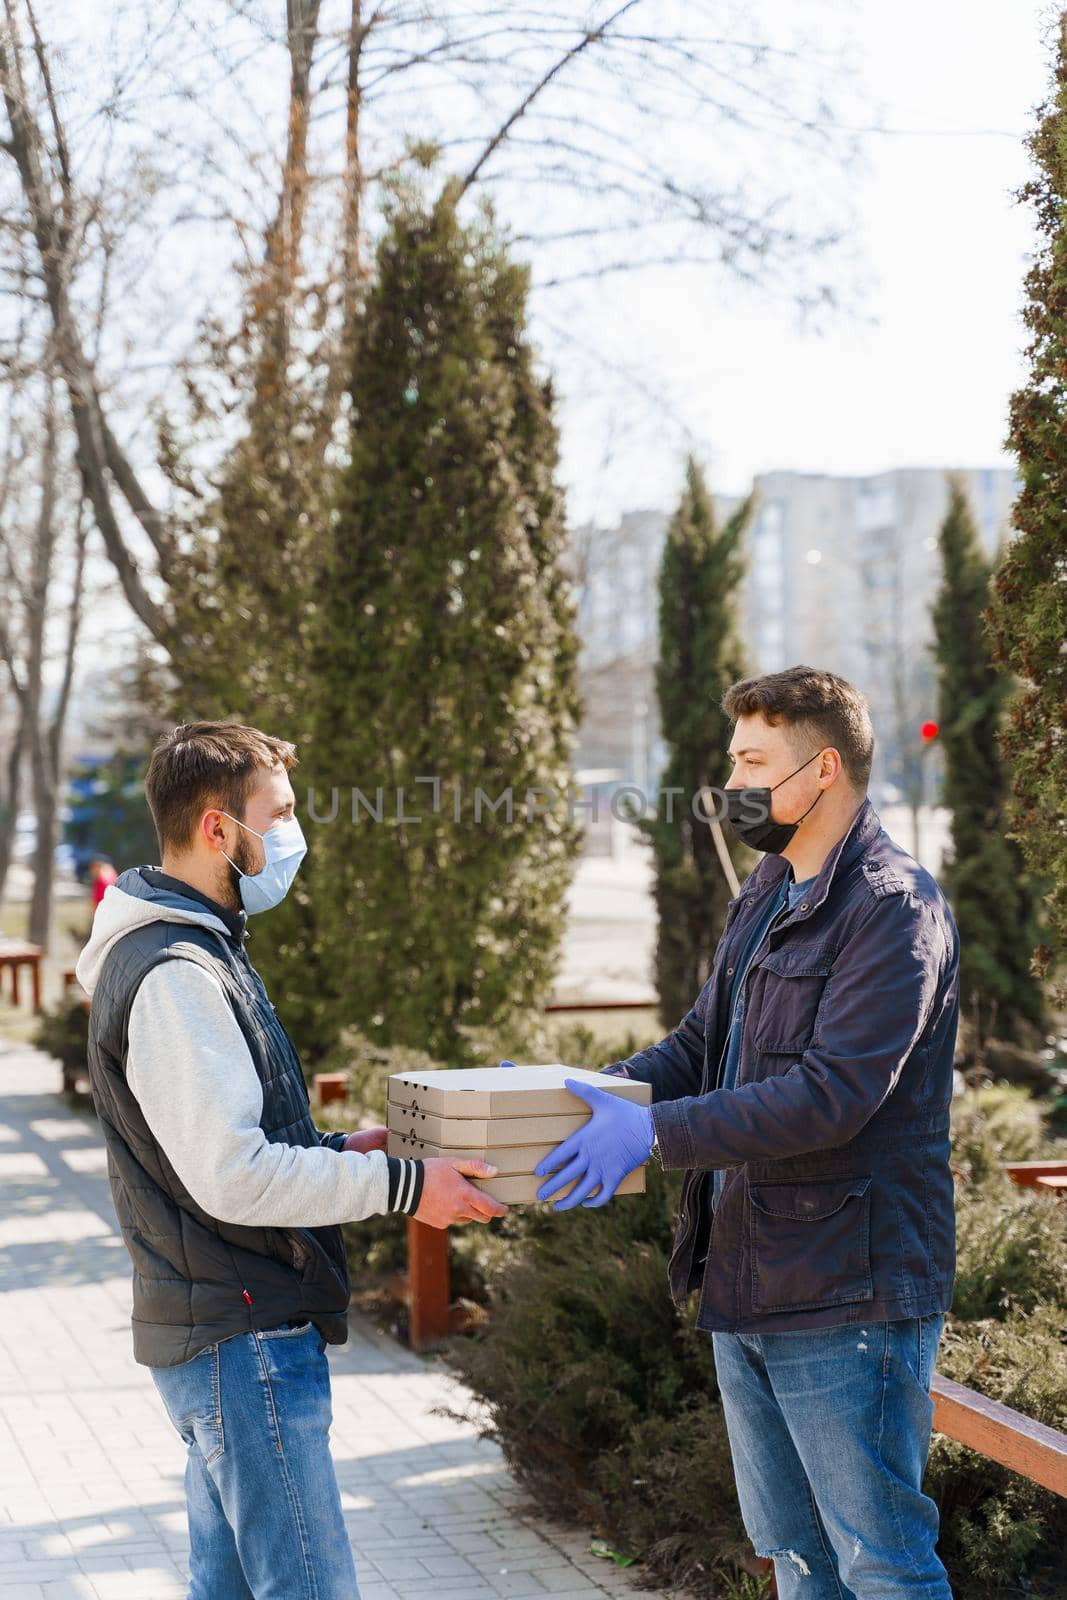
(928, 731)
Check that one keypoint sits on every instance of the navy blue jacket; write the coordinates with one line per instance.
(838, 1202)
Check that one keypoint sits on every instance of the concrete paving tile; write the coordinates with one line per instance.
(92, 1504)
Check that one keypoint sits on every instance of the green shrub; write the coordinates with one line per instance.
(64, 1034)
(995, 1125)
(999, 1530)
(603, 1397)
(1011, 1250)
(1011, 1242)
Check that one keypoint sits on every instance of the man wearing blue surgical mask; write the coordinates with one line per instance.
(229, 1198)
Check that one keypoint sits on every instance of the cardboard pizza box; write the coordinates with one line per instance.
(522, 1189)
(510, 1160)
(481, 1132)
(521, 1091)
(516, 1183)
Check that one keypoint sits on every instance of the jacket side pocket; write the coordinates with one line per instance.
(810, 1243)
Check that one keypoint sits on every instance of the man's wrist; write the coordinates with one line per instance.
(406, 1178)
(653, 1141)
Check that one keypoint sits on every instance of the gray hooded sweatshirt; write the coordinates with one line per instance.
(190, 1069)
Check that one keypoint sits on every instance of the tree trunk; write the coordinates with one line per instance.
(11, 799)
(352, 288)
(40, 928)
(42, 782)
(100, 459)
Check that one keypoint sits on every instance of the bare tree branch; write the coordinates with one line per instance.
(571, 55)
(98, 452)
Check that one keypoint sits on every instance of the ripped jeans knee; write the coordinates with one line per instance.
(793, 1556)
(804, 1574)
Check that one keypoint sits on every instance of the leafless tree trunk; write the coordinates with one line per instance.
(101, 461)
(11, 794)
(285, 233)
(24, 650)
(353, 281)
(42, 777)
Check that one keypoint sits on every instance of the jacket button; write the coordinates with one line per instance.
(729, 972)
(803, 905)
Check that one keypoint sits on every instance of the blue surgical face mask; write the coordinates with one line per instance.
(285, 847)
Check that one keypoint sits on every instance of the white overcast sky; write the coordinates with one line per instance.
(921, 373)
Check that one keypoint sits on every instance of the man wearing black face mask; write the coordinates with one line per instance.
(806, 1098)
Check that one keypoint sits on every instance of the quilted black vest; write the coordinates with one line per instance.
(197, 1280)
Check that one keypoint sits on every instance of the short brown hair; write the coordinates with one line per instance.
(203, 764)
(834, 711)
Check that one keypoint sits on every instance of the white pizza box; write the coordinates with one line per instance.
(516, 1183)
(519, 1091)
(480, 1132)
(522, 1189)
(510, 1160)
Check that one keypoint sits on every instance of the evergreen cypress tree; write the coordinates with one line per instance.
(255, 533)
(699, 657)
(1029, 612)
(993, 900)
(443, 649)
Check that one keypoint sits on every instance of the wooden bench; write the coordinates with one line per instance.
(1029, 1174)
(1030, 1448)
(16, 954)
(996, 1431)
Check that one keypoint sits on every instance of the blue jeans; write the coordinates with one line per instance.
(265, 1519)
(829, 1431)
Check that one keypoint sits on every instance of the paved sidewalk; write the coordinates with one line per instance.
(91, 1500)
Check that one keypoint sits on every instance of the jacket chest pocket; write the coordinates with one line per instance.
(787, 990)
(810, 1243)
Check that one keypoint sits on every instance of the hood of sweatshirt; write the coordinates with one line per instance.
(146, 894)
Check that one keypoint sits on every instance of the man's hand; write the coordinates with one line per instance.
(617, 1138)
(367, 1139)
(447, 1197)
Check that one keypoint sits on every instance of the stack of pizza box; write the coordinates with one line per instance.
(511, 1117)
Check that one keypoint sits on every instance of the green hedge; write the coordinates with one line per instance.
(604, 1399)
(602, 1396)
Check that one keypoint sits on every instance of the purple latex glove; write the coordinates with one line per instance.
(617, 1138)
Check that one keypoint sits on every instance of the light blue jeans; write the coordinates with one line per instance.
(265, 1519)
(829, 1431)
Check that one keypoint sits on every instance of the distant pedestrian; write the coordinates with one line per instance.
(101, 875)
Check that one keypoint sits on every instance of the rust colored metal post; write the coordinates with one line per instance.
(330, 1086)
(428, 1283)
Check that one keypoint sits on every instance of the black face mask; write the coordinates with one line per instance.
(761, 831)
